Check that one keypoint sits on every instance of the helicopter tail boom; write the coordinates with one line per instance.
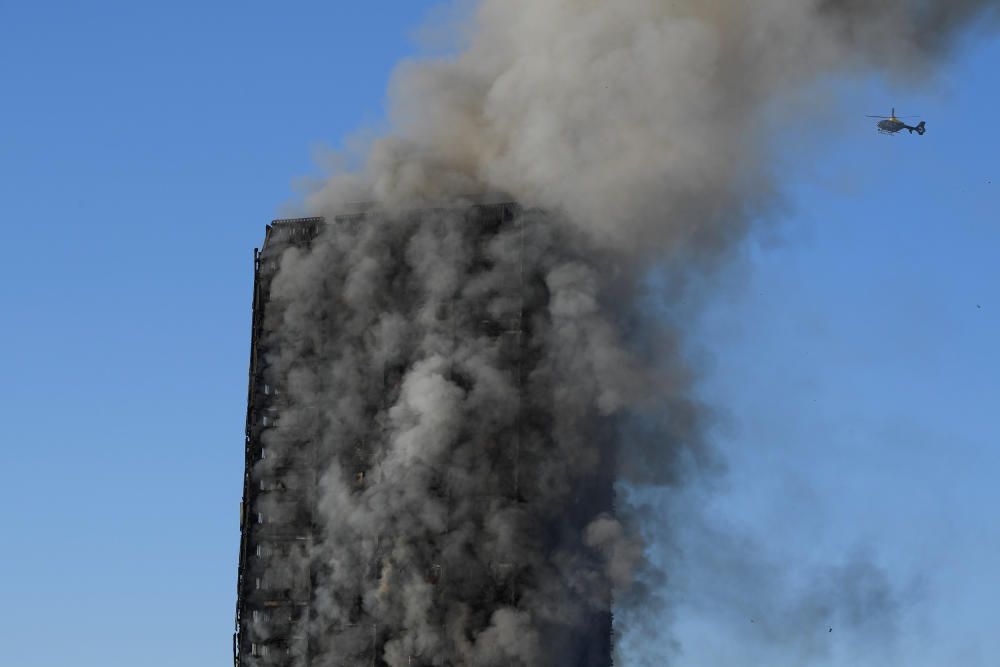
(919, 129)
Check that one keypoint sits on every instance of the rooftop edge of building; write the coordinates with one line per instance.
(306, 228)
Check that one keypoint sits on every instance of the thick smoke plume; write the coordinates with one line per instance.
(470, 391)
(640, 120)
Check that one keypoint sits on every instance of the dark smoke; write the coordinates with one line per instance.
(639, 128)
(462, 386)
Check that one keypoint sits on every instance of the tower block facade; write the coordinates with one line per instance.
(351, 556)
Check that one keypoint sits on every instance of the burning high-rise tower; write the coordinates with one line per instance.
(443, 394)
(423, 508)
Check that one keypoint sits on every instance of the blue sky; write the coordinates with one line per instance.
(851, 353)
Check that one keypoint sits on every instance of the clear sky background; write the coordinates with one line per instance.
(851, 354)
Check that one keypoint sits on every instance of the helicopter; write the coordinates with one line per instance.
(891, 125)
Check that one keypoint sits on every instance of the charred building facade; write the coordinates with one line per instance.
(269, 610)
(414, 506)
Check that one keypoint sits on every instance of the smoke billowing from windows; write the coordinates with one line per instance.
(474, 386)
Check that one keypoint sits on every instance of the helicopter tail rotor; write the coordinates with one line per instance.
(921, 128)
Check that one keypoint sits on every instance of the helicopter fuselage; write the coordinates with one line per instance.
(891, 125)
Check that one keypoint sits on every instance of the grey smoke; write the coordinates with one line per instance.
(641, 121)
(639, 128)
(741, 599)
(382, 357)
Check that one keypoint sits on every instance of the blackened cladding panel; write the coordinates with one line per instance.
(281, 576)
(276, 525)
